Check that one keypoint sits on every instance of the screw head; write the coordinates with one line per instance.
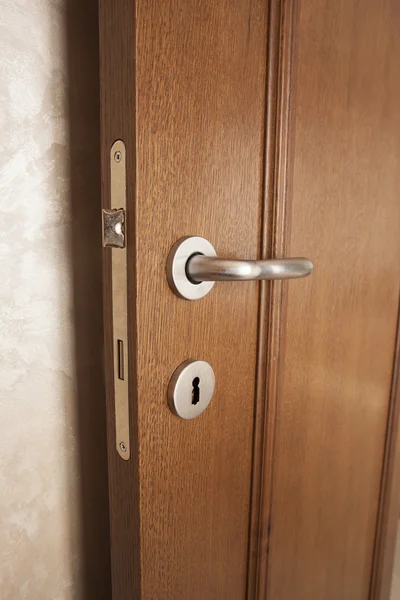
(122, 447)
(118, 156)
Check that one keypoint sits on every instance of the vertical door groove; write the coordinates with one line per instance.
(278, 87)
(388, 515)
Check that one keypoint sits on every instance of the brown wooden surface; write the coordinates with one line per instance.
(117, 83)
(83, 114)
(279, 56)
(200, 93)
(336, 364)
(388, 517)
(200, 96)
(200, 118)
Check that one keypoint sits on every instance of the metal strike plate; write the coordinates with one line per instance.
(115, 238)
(191, 388)
(114, 228)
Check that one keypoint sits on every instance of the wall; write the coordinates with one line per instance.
(53, 480)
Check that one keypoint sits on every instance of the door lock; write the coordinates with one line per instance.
(114, 228)
(191, 388)
(115, 240)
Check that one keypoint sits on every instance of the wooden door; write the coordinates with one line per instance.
(271, 129)
(336, 353)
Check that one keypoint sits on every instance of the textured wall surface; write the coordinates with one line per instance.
(53, 481)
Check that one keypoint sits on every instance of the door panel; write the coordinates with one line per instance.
(200, 87)
(337, 355)
(200, 111)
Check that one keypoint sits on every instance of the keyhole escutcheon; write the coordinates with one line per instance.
(196, 391)
(191, 388)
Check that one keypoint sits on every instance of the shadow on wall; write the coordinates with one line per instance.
(84, 131)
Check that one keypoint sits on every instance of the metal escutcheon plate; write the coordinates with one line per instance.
(191, 388)
(178, 257)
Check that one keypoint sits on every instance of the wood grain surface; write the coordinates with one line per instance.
(340, 325)
(271, 129)
(200, 122)
(272, 293)
(117, 94)
(188, 98)
(388, 516)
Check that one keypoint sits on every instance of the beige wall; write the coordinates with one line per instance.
(53, 481)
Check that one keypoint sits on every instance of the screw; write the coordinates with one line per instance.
(122, 447)
(117, 156)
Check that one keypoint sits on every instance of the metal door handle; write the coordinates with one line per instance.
(193, 267)
(206, 268)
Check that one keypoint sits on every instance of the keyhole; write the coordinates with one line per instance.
(196, 391)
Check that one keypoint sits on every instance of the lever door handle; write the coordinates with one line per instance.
(206, 268)
(193, 267)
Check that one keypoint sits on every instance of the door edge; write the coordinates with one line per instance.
(117, 27)
(389, 502)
